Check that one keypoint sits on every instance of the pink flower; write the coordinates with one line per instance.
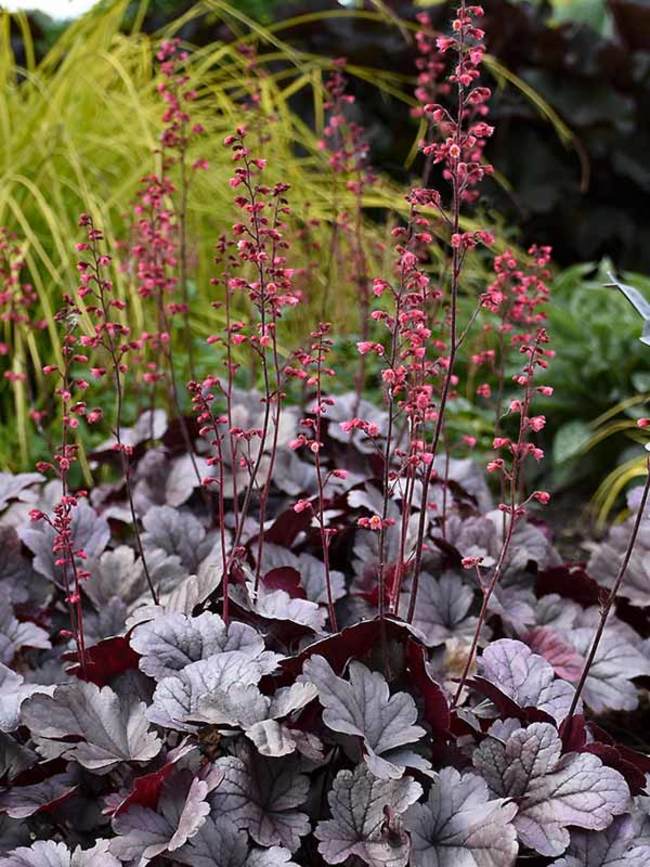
(366, 346)
(643, 423)
(302, 506)
(542, 497)
(536, 422)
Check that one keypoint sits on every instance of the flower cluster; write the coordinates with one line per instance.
(70, 390)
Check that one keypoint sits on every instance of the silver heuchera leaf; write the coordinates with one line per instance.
(14, 487)
(609, 682)
(14, 692)
(273, 739)
(113, 729)
(172, 641)
(90, 532)
(175, 532)
(219, 843)
(257, 715)
(459, 826)
(606, 559)
(525, 677)
(626, 843)
(181, 478)
(177, 700)
(442, 609)
(150, 425)
(16, 579)
(119, 573)
(312, 580)
(47, 853)
(278, 605)
(23, 801)
(366, 819)
(14, 758)
(14, 635)
(553, 791)
(247, 708)
(261, 795)
(364, 707)
(183, 808)
(547, 642)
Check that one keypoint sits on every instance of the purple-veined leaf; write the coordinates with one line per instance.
(16, 579)
(257, 715)
(312, 580)
(119, 573)
(14, 635)
(112, 729)
(609, 682)
(177, 699)
(553, 791)
(460, 826)
(47, 853)
(181, 478)
(244, 706)
(473, 537)
(606, 559)
(566, 661)
(262, 795)
(626, 843)
(177, 533)
(525, 677)
(366, 819)
(15, 487)
(529, 545)
(90, 533)
(150, 425)
(274, 739)
(364, 707)
(344, 408)
(183, 808)
(172, 641)
(291, 475)
(278, 605)
(188, 591)
(219, 843)
(14, 757)
(442, 609)
(23, 801)
(14, 692)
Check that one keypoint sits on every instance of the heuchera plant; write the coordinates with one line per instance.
(309, 634)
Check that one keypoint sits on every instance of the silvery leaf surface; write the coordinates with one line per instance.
(553, 791)
(359, 802)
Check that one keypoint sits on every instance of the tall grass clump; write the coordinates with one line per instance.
(82, 126)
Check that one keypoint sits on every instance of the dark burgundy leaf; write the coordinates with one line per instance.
(506, 706)
(436, 707)
(571, 581)
(285, 578)
(145, 789)
(354, 642)
(104, 660)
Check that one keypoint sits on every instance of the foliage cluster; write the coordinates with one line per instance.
(288, 625)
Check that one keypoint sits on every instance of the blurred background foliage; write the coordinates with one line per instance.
(80, 121)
